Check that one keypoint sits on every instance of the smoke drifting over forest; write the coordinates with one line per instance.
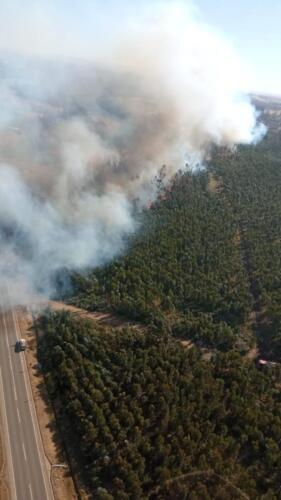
(88, 116)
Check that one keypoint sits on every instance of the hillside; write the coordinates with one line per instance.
(189, 269)
(155, 420)
(183, 271)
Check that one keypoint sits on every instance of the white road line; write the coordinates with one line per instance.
(10, 359)
(31, 405)
(16, 323)
(30, 491)
(19, 419)
(8, 449)
(34, 419)
(24, 452)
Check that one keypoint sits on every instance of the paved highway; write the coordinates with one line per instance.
(27, 466)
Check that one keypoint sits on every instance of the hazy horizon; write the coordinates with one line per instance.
(251, 28)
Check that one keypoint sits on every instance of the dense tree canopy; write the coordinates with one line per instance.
(252, 184)
(147, 412)
(152, 418)
(184, 267)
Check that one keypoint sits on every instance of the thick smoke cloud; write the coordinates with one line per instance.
(85, 124)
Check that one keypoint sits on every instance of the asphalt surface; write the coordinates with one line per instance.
(27, 466)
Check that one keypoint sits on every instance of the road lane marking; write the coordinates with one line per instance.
(33, 414)
(32, 410)
(16, 323)
(18, 415)
(10, 332)
(30, 491)
(8, 449)
(24, 452)
(10, 359)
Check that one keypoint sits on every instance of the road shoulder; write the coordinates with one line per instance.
(62, 483)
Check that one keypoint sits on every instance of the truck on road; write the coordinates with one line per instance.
(21, 345)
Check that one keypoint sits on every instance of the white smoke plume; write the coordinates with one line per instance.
(93, 102)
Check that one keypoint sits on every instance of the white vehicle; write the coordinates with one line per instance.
(21, 344)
